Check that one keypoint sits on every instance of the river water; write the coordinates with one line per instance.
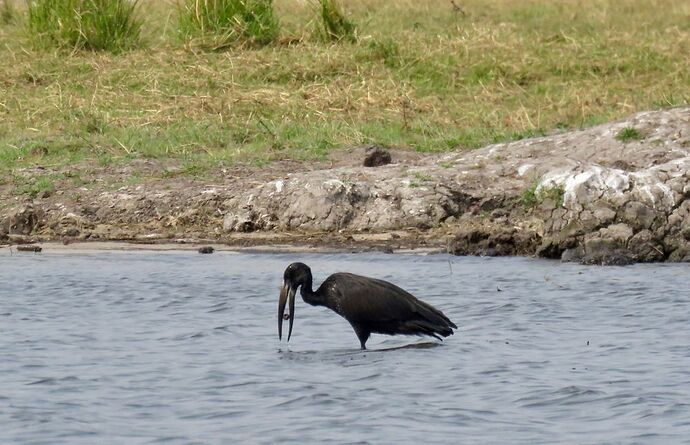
(181, 348)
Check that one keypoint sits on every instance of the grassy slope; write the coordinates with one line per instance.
(423, 75)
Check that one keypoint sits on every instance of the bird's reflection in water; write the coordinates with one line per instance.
(347, 354)
(425, 345)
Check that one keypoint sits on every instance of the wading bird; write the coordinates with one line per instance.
(368, 304)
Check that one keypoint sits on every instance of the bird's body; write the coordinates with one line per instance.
(370, 305)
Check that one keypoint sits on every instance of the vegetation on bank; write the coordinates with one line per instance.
(219, 24)
(283, 83)
(109, 25)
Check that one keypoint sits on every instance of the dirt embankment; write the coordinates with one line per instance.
(612, 194)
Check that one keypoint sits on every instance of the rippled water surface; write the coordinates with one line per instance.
(129, 348)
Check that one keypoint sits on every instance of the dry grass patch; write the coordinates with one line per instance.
(423, 75)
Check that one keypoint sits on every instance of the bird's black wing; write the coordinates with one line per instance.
(369, 300)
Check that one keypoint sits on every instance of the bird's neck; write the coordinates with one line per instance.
(308, 294)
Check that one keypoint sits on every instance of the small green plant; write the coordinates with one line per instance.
(8, 13)
(555, 193)
(629, 134)
(92, 122)
(105, 159)
(529, 195)
(222, 23)
(94, 125)
(519, 135)
(167, 174)
(133, 179)
(107, 25)
(534, 195)
(335, 26)
(422, 176)
(76, 178)
(386, 50)
(193, 169)
(33, 187)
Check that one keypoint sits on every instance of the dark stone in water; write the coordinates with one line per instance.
(574, 254)
(553, 247)
(618, 257)
(206, 249)
(29, 248)
(601, 256)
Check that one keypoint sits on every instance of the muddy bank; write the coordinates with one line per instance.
(611, 194)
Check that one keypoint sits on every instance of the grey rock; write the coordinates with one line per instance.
(680, 218)
(491, 241)
(23, 220)
(608, 246)
(72, 231)
(685, 230)
(240, 220)
(680, 254)
(604, 215)
(638, 215)
(618, 233)
(555, 247)
(645, 248)
(615, 257)
(4, 227)
(574, 254)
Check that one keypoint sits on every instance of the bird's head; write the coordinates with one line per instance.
(296, 275)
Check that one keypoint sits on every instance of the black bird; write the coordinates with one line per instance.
(368, 304)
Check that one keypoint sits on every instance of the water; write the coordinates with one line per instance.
(177, 348)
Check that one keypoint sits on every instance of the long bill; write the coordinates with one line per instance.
(287, 293)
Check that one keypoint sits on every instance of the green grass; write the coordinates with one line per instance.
(335, 26)
(385, 50)
(109, 25)
(421, 176)
(420, 76)
(529, 195)
(218, 24)
(533, 195)
(629, 134)
(8, 12)
(556, 194)
(35, 185)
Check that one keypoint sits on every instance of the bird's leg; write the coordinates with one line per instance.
(363, 336)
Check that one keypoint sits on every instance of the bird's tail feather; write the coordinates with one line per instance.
(433, 315)
(423, 327)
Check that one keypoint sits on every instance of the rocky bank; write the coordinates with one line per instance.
(612, 194)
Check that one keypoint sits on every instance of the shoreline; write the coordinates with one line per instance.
(590, 196)
(52, 246)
